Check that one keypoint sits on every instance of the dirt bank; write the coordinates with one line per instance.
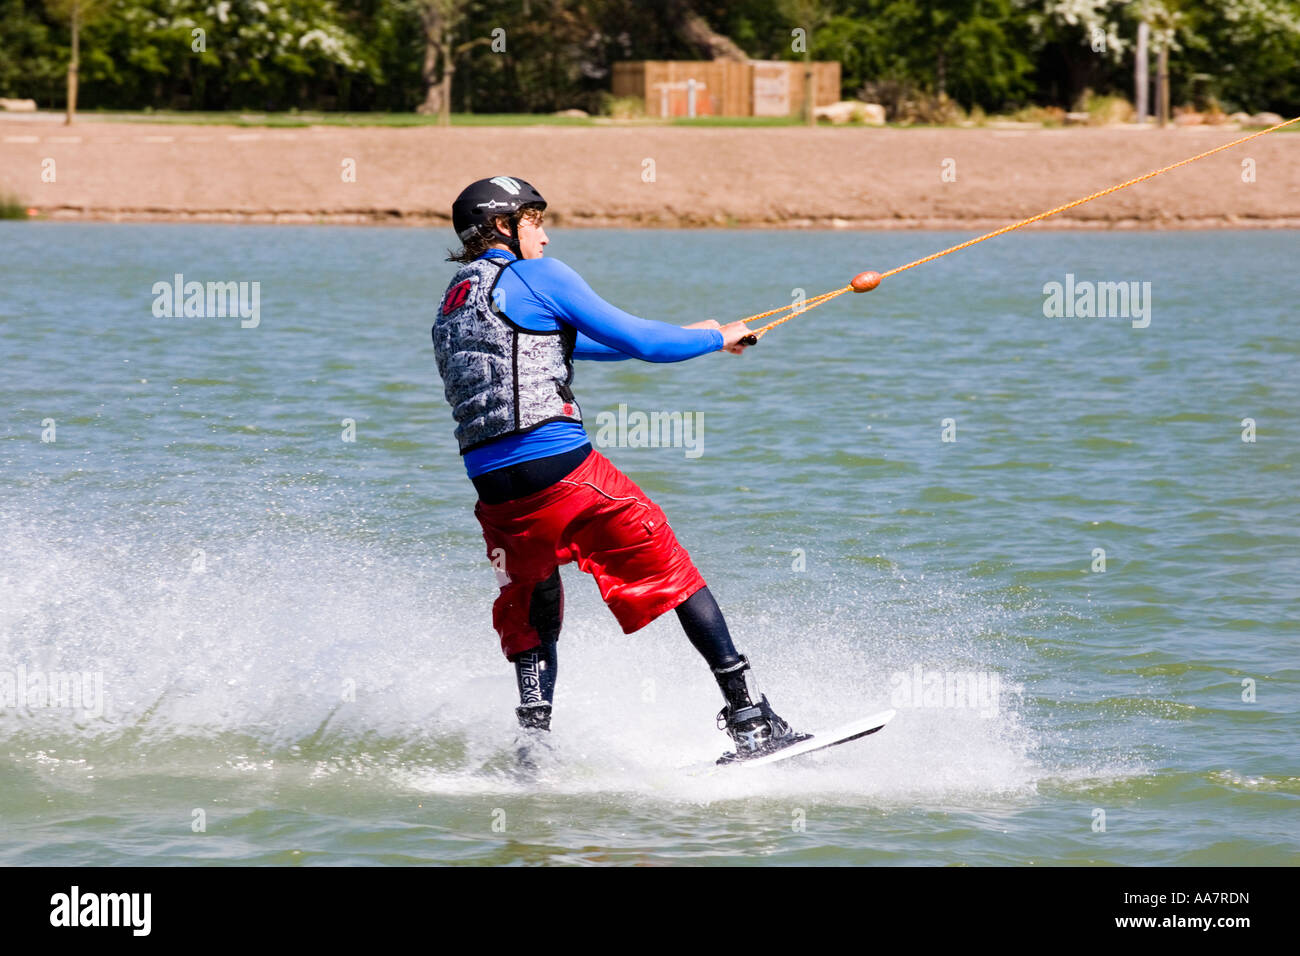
(786, 176)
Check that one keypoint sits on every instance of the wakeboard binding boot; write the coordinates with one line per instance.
(534, 716)
(748, 718)
(531, 743)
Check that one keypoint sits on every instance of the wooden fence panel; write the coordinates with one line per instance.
(725, 87)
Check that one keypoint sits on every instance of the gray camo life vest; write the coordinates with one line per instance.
(500, 378)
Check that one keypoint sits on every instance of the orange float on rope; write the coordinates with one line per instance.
(865, 281)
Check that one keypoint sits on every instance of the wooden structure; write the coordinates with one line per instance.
(725, 87)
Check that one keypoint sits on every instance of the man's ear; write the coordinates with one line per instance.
(502, 225)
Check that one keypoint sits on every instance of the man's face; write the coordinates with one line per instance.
(532, 235)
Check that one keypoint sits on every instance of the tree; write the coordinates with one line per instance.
(236, 53)
(913, 55)
(1081, 41)
(441, 20)
(1242, 53)
(76, 13)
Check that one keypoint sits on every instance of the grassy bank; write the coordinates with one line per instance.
(293, 119)
(399, 120)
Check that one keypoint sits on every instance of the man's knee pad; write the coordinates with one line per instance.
(535, 669)
(546, 608)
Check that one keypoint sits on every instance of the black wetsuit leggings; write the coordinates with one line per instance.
(700, 615)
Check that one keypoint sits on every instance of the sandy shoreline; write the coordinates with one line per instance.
(784, 177)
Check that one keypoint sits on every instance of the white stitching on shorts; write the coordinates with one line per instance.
(565, 481)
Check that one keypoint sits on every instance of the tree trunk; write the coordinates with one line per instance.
(448, 69)
(431, 19)
(432, 88)
(809, 94)
(696, 32)
(1162, 84)
(1141, 83)
(427, 72)
(432, 104)
(73, 63)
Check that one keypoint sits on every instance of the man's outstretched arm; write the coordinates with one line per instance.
(606, 333)
(588, 348)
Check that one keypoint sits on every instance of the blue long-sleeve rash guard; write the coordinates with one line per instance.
(539, 294)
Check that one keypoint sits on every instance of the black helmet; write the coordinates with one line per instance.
(480, 203)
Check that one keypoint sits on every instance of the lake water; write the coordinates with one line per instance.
(283, 637)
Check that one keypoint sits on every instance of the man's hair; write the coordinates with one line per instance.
(478, 243)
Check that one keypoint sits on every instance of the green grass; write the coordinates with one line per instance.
(398, 120)
(737, 121)
(11, 208)
(519, 119)
(300, 119)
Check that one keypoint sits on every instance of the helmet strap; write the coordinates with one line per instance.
(512, 239)
(514, 236)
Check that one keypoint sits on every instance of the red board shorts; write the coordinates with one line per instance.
(598, 517)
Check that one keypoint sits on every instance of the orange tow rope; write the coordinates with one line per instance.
(866, 281)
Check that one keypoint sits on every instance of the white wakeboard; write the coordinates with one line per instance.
(854, 730)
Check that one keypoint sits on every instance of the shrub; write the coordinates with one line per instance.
(622, 107)
(12, 208)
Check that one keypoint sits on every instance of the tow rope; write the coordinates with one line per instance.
(866, 281)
